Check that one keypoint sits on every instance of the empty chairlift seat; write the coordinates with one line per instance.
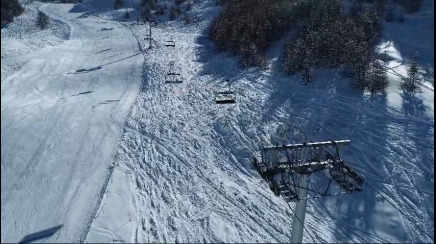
(171, 76)
(170, 43)
(225, 97)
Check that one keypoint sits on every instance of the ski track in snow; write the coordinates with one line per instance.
(56, 148)
(190, 158)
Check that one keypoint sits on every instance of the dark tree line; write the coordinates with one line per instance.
(322, 33)
(327, 36)
(247, 28)
(9, 10)
(151, 8)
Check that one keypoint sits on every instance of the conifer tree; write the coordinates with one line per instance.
(411, 82)
(377, 77)
(42, 20)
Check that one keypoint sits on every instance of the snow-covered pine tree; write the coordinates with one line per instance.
(9, 10)
(377, 79)
(359, 64)
(411, 82)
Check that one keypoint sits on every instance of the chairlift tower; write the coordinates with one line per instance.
(149, 35)
(288, 168)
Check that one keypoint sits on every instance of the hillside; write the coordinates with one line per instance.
(94, 139)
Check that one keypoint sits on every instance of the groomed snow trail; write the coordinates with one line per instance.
(186, 159)
(59, 127)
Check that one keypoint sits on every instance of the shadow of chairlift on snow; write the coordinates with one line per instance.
(225, 97)
(106, 29)
(82, 71)
(40, 235)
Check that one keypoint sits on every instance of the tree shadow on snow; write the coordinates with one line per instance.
(415, 34)
(330, 108)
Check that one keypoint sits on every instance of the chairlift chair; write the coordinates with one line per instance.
(225, 97)
(170, 43)
(173, 77)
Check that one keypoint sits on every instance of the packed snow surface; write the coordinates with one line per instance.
(181, 170)
(59, 127)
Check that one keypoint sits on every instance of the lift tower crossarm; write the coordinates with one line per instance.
(311, 144)
(301, 161)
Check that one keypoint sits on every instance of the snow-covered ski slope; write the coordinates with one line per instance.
(59, 128)
(182, 170)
